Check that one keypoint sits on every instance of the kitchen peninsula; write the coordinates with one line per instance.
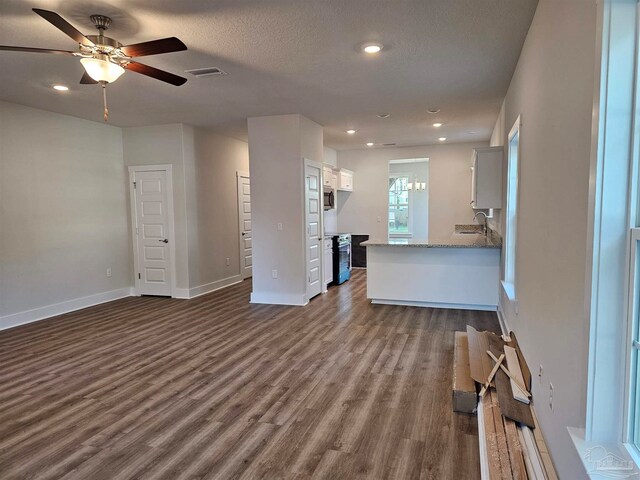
(462, 271)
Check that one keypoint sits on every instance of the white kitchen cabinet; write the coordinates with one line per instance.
(327, 175)
(345, 180)
(334, 180)
(486, 178)
(328, 261)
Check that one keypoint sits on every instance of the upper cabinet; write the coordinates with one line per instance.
(327, 174)
(486, 178)
(345, 180)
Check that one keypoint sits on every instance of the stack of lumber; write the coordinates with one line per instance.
(509, 449)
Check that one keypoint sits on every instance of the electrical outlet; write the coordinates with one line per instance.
(274, 273)
(540, 372)
(551, 396)
(228, 261)
(279, 227)
(108, 272)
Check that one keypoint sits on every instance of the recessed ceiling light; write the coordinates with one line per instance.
(442, 139)
(433, 111)
(371, 47)
(471, 132)
(370, 144)
(383, 115)
(351, 131)
(60, 88)
(438, 124)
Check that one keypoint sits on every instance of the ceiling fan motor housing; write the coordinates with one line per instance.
(101, 22)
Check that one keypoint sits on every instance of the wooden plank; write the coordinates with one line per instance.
(543, 451)
(491, 443)
(509, 407)
(516, 457)
(501, 438)
(492, 374)
(516, 379)
(524, 368)
(480, 366)
(464, 388)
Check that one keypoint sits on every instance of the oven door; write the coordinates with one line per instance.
(329, 199)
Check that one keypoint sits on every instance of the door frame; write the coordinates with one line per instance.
(168, 169)
(317, 165)
(239, 175)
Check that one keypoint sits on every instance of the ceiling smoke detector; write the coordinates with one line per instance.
(383, 115)
(433, 111)
(206, 72)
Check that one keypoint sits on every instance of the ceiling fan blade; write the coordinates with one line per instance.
(35, 50)
(59, 22)
(154, 47)
(156, 73)
(87, 80)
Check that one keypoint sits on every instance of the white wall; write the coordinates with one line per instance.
(205, 202)
(449, 180)
(277, 147)
(212, 219)
(163, 145)
(552, 89)
(63, 213)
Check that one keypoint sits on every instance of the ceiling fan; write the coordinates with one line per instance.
(105, 59)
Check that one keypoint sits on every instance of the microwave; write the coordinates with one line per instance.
(329, 199)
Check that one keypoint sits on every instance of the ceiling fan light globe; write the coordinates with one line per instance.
(102, 70)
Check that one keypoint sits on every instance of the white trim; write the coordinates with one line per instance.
(515, 130)
(279, 299)
(482, 442)
(504, 323)
(612, 173)
(168, 168)
(41, 313)
(213, 286)
(181, 293)
(455, 306)
(583, 446)
(241, 174)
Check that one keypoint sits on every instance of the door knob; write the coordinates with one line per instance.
(164, 241)
(243, 234)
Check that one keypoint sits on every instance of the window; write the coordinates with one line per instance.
(512, 211)
(399, 205)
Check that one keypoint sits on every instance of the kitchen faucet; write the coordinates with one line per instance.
(486, 227)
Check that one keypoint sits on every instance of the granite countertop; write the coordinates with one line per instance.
(456, 240)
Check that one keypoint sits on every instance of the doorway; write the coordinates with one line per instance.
(244, 224)
(313, 224)
(151, 194)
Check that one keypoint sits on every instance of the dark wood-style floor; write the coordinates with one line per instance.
(216, 388)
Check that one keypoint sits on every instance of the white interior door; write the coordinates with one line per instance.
(313, 211)
(244, 221)
(153, 253)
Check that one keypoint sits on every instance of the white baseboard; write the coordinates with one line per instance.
(279, 299)
(213, 286)
(457, 306)
(504, 324)
(182, 293)
(28, 316)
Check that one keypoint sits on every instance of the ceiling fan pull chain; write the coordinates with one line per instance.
(104, 98)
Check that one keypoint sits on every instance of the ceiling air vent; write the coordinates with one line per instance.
(206, 72)
(388, 144)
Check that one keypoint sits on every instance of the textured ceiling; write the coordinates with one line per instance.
(286, 56)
